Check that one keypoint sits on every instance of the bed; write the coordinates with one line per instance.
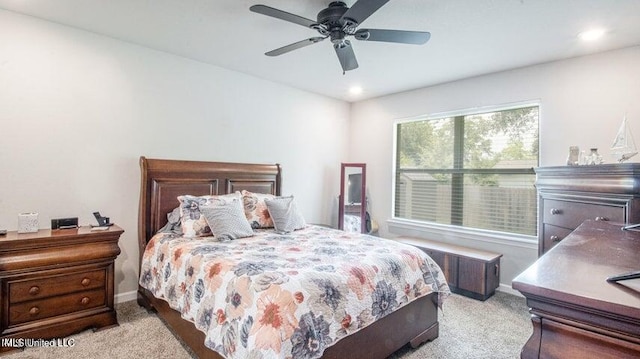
(162, 181)
(352, 223)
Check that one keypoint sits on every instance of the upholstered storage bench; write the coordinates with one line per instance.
(471, 272)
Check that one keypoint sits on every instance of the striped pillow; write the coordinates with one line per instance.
(227, 220)
(192, 222)
(285, 214)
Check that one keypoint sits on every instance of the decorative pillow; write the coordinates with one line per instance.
(173, 222)
(285, 214)
(256, 210)
(192, 222)
(227, 220)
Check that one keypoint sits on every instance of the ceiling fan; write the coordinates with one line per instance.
(337, 22)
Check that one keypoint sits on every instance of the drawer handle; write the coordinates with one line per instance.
(34, 311)
(555, 239)
(34, 290)
(602, 219)
(85, 300)
(555, 211)
(85, 282)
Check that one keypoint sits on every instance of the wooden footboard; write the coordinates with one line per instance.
(408, 324)
(415, 323)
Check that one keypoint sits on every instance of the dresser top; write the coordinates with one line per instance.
(618, 178)
(575, 270)
(614, 169)
(14, 241)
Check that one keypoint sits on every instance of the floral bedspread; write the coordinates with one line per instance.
(286, 296)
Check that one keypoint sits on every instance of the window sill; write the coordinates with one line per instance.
(454, 234)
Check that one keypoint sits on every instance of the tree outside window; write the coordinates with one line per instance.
(473, 170)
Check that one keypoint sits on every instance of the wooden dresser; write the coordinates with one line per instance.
(575, 312)
(56, 283)
(569, 195)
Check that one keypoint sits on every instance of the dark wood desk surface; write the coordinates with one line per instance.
(566, 288)
(576, 269)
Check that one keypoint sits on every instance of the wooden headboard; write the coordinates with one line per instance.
(162, 181)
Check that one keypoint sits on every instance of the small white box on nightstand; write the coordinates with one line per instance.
(27, 222)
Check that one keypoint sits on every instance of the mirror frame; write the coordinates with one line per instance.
(341, 200)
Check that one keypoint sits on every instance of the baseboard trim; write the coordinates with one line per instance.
(126, 297)
(505, 288)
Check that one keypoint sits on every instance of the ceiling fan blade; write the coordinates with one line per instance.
(401, 36)
(282, 15)
(362, 9)
(346, 56)
(294, 46)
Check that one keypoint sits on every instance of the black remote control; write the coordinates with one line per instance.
(3, 232)
(624, 276)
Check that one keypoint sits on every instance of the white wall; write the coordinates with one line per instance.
(77, 110)
(583, 101)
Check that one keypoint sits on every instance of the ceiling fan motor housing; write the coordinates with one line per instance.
(331, 16)
(334, 25)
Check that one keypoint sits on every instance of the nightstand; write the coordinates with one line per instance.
(54, 283)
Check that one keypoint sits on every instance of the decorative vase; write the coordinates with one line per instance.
(594, 157)
(574, 156)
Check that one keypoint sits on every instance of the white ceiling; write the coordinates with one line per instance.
(468, 37)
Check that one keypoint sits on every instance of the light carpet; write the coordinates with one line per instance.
(469, 329)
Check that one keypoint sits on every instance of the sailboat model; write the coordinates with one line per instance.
(624, 147)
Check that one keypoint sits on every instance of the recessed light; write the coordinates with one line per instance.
(355, 90)
(591, 35)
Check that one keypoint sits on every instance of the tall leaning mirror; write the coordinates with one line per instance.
(352, 201)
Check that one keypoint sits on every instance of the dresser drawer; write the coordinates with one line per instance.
(552, 235)
(571, 214)
(43, 287)
(53, 306)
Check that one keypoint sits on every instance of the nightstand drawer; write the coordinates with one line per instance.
(44, 287)
(51, 307)
(571, 214)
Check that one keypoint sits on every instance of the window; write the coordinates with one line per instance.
(472, 170)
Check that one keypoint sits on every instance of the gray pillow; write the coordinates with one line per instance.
(227, 220)
(173, 222)
(285, 214)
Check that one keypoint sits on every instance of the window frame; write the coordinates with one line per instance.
(466, 232)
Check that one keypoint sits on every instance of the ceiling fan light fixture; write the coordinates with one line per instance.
(342, 44)
(362, 35)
